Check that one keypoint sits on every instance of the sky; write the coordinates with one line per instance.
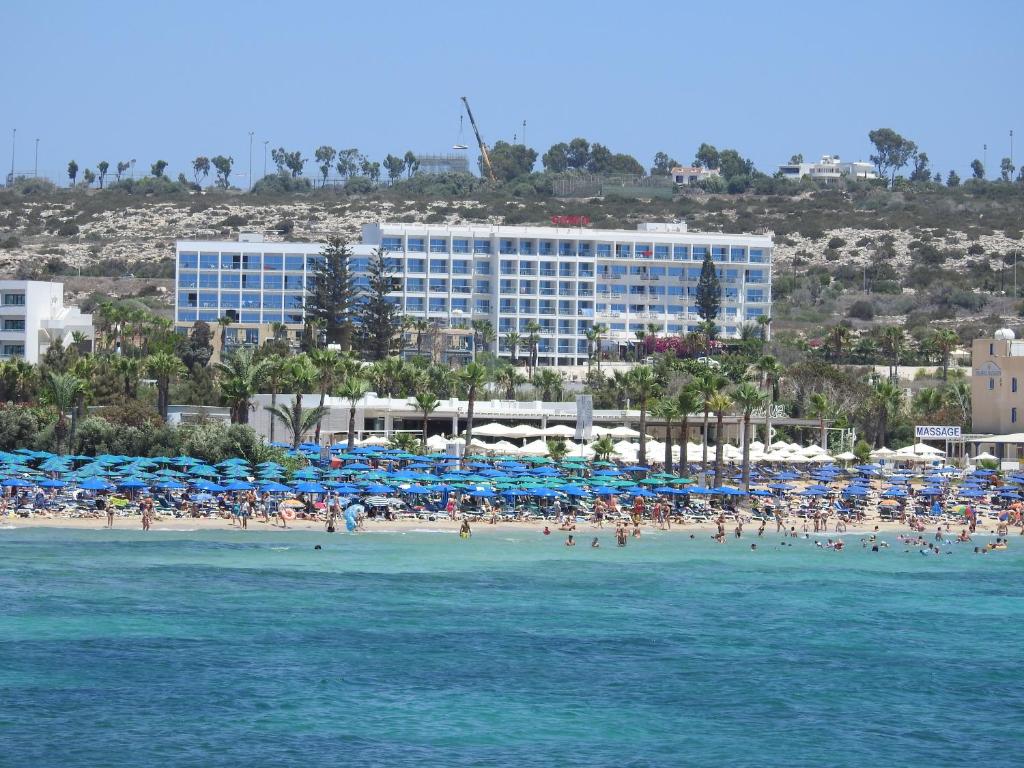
(173, 80)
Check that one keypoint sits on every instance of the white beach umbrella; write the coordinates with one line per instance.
(493, 429)
(504, 446)
(882, 453)
(560, 430)
(524, 431)
(535, 448)
(984, 456)
(846, 456)
(623, 432)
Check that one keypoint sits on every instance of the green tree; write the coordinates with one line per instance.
(894, 345)
(1006, 169)
(944, 341)
(667, 409)
(663, 164)
(557, 449)
(887, 400)
(426, 402)
(821, 408)
(473, 378)
(164, 368)
(88, 177)
(61, 390)
(411, 164)
(768, 368)
(200, 167)
(333, 297)
(102, 167)
(394, 166)
(689, 401)
(276, 371)
(643, 386)
(977, 169)
(378, 318)
(348, 162)
(324, 156)
(300, 374)
(577, 154)
(719, 403)
(706, 157)
(241, 376)
(953, 180)
(483, 335)
(157, 169)
(532, 343)
(749, 398)
(556, 159)
(921, 172)
(603, 447)
(223, 166)
(510, 161)
(513, 341)
(892, 151)
(709, 290)
(509, 378)
(72, 172)
(353, 390)
(122, 166)
(327, 366)
(548, 382)
(706, 386)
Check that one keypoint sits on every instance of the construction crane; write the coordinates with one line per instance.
(479, 140)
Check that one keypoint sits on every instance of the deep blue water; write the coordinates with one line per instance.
(420, 649)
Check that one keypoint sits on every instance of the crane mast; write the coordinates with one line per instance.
(479, 140)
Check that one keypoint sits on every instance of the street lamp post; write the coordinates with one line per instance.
(35, 166)
(132, 163)
(14, 141)
(250, 160)
(265, 142)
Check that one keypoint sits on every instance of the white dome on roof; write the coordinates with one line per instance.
(1005, 334)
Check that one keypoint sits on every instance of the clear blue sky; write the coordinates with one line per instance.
(148, 80)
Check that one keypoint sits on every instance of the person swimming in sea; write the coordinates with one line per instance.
(570, 542)
(595, 544)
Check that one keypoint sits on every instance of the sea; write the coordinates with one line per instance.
(418, 648)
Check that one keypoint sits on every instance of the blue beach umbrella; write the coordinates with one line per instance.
(309, 487)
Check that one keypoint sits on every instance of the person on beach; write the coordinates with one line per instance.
(244, 513)
(760, 530)
(102, 506)
(465, 532)
(144, 509)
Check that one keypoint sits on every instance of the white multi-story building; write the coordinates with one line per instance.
(33, 316)
(564, 279)
(829, 169)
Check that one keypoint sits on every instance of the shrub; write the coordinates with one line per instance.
(861, 310)
(836, 242)
(234, 220)
(976, 249)
(68, 229)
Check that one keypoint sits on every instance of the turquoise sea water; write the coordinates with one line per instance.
(420, 649)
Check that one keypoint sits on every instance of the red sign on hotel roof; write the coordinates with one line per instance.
(570, 221)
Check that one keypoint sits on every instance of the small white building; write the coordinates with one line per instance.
(829, 169)
(33, 316)
(688, 175)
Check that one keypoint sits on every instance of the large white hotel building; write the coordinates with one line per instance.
(564, 278)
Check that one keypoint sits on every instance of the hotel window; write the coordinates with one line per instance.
(209, 261)
(718, 253)
(272, 282)
(416, 266)
(460, 305)
(565, 248)
(460, 246)
(482, 307)
(252, 261)
(508, 247)
(700, 253)
(393, 265)
(273, 262)
(252, 282)
(483, 286)
(187, 280)
(738, 254)
(546, 248)
(188, 260)
(622, 251)
(603, 249)
(293, 282)
(481, 246)
(229, 301)
(460, 267)
(14, 349)
(1013, 384)
(438, 285)
(438, 245)
(313, 262)
(482, 267)
(293, 263)
(1013, 415)
(461, 285)
(680, 253)
(438, 304)
(438, 266)
(414, 304)
(566, 270)
(661, 251)
(209, 280)
(415, 245)
(391, 243)
(414, 285)
(270, 301)
(756, 256)
(14, 325)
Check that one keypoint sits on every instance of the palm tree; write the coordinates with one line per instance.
(421, 326)
(61, 391)
(129, 370)
(223, 322)
(667, 409)
(603, 447)
(328, 365)
(405, 441)
(945, 341)
(85, 369)
(513, 340)
(928, 402)
(706, 387)
(689, 401)
(426, 402)
(241, 378)
(822, 408)
(509, 378)
(165, 368)
(352, 390)
(557, 449)
(549, 382)
(765, 324)
(719, 403)
(643, 385)
(958, 397)
(888, 398)
(749, 398)
(893, 344)
(599, 329)
(18, 377)
(275, 374)
(296, 419)
(839, 338)
(533, 343)
(640, 336)
(771, 372)
(483, 332)
(473, 377)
